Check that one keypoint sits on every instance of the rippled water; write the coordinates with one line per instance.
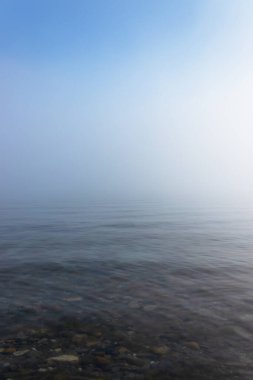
(182, 273)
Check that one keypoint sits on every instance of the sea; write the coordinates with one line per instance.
(132, 290)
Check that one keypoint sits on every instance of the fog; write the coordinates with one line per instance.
(118, 99)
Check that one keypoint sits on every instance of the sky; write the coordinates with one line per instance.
(134, 99)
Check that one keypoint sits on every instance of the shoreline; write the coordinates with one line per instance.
(93, 348)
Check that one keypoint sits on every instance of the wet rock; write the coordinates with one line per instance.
(64, 358)
(73, 299)
(122, 350)
(21, 352)
(40, 331)
(135, 361)
(43, 341)
(160, 350)
(103, 360)
(7, 350)
(192, 345)
(56, 308)
(92, 343)
(58, 349)
(79, 338)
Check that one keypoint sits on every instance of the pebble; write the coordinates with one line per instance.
(57, 349)
(122, 350)
(103, 360)
(135, 361)
(79, 338)
(55, 308)
(92, 343)
(64, 358)
(41, 331)
(160, 350)
(73, 299)
(192, 345)
(8, 350)
(43, 341)
(42, 370)
(21, 352)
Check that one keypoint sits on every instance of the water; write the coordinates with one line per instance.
(159, 275)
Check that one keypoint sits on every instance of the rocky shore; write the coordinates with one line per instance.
(96, 349)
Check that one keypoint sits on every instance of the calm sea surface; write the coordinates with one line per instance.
(180, 278)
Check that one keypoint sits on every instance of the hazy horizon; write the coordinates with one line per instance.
(134, 100)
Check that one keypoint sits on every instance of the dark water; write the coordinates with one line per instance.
(146, 275)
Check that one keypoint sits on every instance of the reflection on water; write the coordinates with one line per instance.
(177, 279)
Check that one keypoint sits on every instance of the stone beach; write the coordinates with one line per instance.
(120, 348)
(165, 298)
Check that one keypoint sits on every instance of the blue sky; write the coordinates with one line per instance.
(126, 98)
(51, 30)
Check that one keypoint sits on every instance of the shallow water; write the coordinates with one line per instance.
(159, 275)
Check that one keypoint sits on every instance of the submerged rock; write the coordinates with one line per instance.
(7, 350)
(58, 349)
(160, 350)
(92, 343)
(21, 352)
(193, 345)
(122, 350)
(79, 338)
(73, 299)
(64, 358)
(103, 360)
(42, 370)
(39, 331)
